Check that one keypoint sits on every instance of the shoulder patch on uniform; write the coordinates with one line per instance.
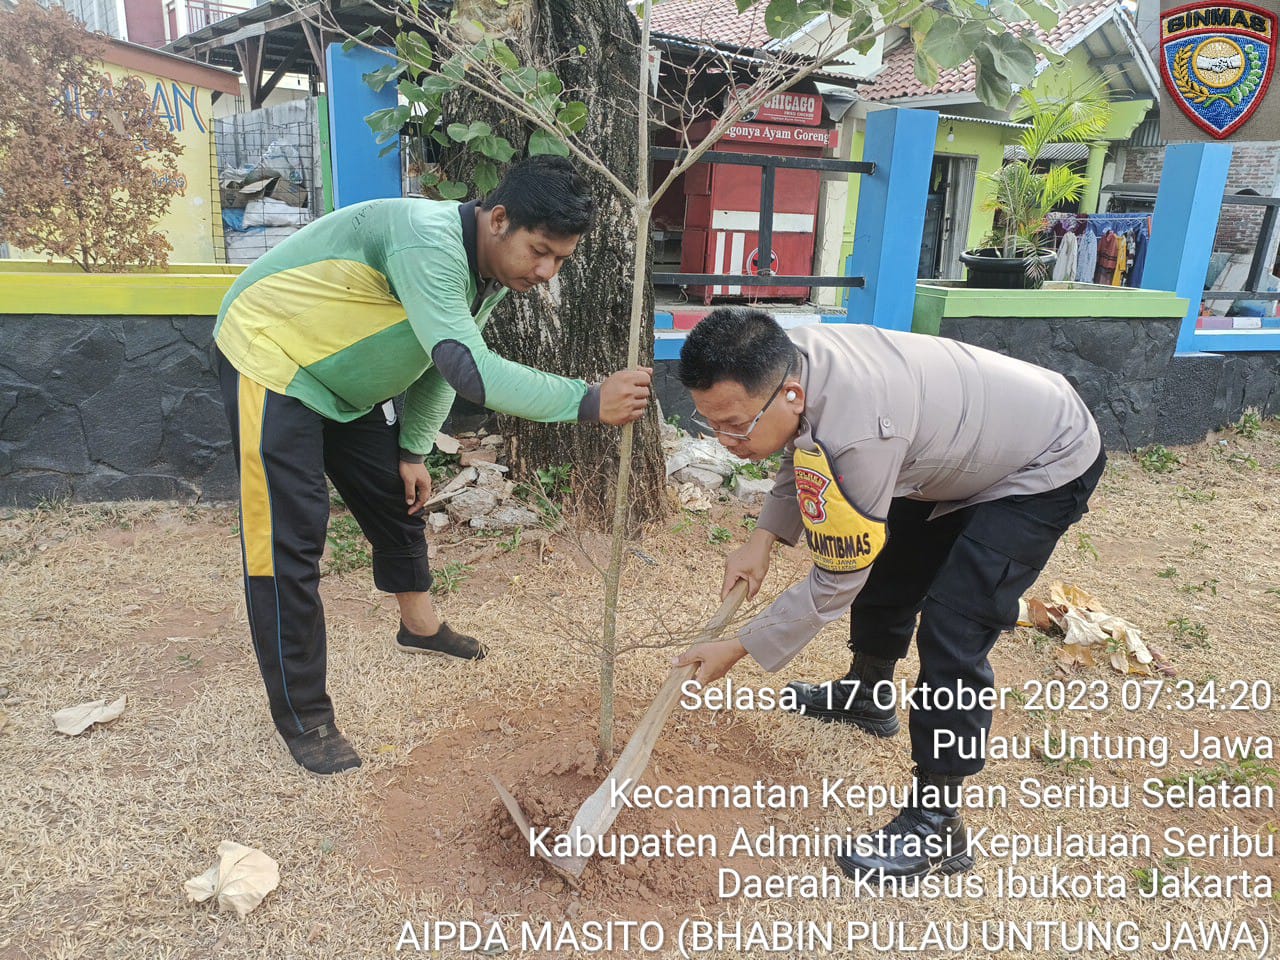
(841, 537)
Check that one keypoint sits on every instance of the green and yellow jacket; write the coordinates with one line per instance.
(378, 299)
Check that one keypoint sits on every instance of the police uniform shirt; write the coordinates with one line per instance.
(891, 414)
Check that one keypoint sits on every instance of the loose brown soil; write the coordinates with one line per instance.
(97, 833)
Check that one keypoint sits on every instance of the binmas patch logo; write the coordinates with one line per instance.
(1217, 60)
(810, 489)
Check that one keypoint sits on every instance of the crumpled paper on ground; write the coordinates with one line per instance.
(1087, 628)
(240, 879)
(74, 721)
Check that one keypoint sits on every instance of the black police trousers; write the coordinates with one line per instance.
(283, 451)
(962, 574)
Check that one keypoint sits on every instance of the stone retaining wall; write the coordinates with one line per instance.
(128, 408)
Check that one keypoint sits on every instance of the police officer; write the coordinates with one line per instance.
(929, 479)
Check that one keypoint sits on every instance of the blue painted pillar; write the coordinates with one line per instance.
(1183, 226)
(358, 172)
(886, 245)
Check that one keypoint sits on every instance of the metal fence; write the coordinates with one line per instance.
(270, 175)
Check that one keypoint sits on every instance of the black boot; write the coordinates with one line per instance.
(849, 699)
(926, 835)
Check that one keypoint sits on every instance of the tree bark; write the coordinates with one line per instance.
(577, 325)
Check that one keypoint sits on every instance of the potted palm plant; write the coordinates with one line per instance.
(1018, 253)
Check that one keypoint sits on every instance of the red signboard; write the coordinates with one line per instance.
(792, 136)
(803, 109)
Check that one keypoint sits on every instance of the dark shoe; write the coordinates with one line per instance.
(445, 640)
(322, 751)
(928, 835)
(850, 699)
(845, 701)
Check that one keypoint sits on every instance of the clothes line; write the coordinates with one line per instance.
(1102, 248)
(1100, 223)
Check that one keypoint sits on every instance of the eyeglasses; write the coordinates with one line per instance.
(747, 436)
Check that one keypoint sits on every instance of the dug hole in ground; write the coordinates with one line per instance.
(98, 832)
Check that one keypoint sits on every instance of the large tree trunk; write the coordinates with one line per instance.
(577, 325)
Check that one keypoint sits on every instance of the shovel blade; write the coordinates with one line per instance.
(569, 868)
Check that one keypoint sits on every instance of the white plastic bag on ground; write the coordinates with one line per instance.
(74, 721)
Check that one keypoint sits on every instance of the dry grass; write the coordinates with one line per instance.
(97, 833)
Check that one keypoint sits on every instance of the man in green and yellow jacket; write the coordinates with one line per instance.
(313, 343)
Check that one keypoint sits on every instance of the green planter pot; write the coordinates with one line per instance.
(990, 271)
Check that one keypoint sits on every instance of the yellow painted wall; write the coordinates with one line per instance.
(188, 110)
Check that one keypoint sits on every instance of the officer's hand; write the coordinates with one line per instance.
(624, 396)
(714, 659)
(750, 562)
(417, 485)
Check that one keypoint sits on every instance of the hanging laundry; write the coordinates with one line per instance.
(1065, 268)
(1139, 260)
(1107, 246)
(1122, 262)
(1086, 258)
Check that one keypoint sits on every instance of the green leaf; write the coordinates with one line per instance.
(1008, 11)
(455, 68)
(364, 34)
(521, 82)
(994, 88)
(549, 85)
(782, 18)
(505, 56)
(452, 190)
(486, 177)
(430, 179)
(388, 120)
(1044, 14)
(861, 32)
(415, 50)
(1013, 59)
(745, 5)
(394, 145)
(542, 142)
(457, 132)
(926, 69)
(439, 137)
(951, 42)
(435, 86)
(573, 117)
(582, 50)
(495, 148)
(412, 92)
(383, 75)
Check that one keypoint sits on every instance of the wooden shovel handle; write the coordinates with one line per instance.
(596, 815)
(667, 695)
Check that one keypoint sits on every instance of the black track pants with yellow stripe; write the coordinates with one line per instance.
(283, 451)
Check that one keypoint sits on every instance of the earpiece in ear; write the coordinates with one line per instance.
(791, 394)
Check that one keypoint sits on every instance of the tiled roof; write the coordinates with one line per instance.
(898, 78)
(714, 20)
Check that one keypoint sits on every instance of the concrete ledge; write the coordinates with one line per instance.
(114, 294)
(941, 299)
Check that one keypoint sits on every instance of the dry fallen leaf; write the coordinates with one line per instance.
(240, 879)
(446, 444)
(1072, 596)
(76, 720)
